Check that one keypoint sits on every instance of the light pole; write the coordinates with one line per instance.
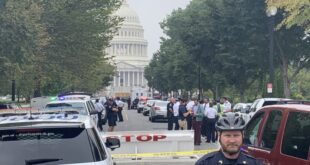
(271, 12)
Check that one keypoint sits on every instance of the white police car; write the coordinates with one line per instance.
(62, 138)
(81, 103)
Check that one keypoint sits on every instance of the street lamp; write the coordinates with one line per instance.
(271, 12)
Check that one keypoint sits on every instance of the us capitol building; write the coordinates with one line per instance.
(129, 52)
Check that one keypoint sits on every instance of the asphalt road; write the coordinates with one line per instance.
(134, 121)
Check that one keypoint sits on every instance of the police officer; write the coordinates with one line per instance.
(230, 128)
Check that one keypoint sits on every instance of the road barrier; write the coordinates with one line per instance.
(141, 142)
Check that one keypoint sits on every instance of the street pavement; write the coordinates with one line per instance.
(134, 121)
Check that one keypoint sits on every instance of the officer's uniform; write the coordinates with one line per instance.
(218, 158)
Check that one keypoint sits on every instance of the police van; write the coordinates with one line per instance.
(62, 137)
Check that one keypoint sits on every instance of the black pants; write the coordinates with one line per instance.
(176, 122)
(99, 125)
(170, 122)
(189, 120)
(204, 127)
(211, 130)
(119, 114)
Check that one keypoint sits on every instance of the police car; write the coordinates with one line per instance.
(81, 103)
(53, 138)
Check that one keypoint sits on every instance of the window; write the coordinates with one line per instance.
(250, 136)
(296, 139)
(271, 129)
(69, 145)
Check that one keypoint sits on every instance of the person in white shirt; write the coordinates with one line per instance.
(211, 113)
(189, 107)
(120, 104)
(176, 114)
(99, 108)
(227, 105)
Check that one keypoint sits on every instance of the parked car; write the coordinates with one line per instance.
(259, 103)
(53, 139)
(141, 105)
(279, 134)
(158, 110)
(147, 108)
(242, 107)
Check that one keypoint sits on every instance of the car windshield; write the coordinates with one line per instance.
(67, 106)
(58, 145)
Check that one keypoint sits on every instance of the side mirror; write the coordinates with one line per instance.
(113, 143)
(93, 112)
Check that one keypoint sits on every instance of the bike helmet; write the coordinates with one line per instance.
(230, 122)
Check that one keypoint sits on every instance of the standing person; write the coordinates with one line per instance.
(120, 104)
(198, 113)
(220, 109)
(176, 106)
(204, 120)
(227, 105)
(129, 103)
(99, 108)
(170, 113)
(211, 113)
(230, 129)
(183, 113)
(111, 109)
(189, 107)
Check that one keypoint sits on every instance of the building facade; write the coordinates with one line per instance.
(129, 51)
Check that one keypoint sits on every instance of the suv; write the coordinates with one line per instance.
(259, 103)
(66, 138)
(279, 134)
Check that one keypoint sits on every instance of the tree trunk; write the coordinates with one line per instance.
(286, 82)
(284, 70)
(242, 99)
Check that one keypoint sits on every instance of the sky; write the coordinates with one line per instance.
(151, 13)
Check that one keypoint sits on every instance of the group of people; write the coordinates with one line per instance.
(200, 116)
(112, 111)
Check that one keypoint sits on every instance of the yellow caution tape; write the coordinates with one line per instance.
(163, 154)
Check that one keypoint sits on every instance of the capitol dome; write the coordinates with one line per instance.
(129, 52)
(130, 15)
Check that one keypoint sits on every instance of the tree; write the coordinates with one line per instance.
(297, 12)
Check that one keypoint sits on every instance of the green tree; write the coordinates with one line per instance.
(297, 12)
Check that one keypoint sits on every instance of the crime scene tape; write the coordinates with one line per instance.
(163, 154)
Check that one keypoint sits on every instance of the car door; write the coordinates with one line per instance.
(266, 145)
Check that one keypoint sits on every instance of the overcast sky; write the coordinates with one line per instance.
(151, 13)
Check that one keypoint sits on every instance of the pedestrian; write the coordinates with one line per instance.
(198, 113)
(129, 103)
(176, 105)
(111, 109)
(120, 104)
(227, 105)
(189, 107)
(170, 113)
(204, 120)
(99, 108)
(210, 114)
(183, 113)
(220, 109)
(230, 129)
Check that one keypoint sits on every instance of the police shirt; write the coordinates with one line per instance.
(218, 158)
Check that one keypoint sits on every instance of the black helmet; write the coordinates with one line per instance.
(230, 122)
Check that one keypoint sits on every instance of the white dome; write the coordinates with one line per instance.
(130, 15)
